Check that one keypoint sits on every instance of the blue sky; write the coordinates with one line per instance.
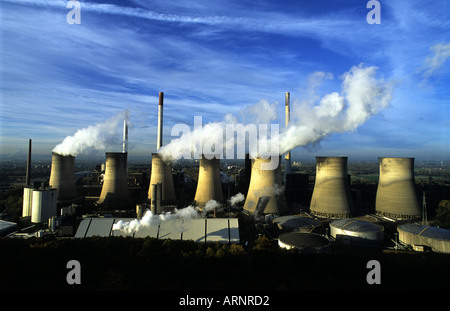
(211, 58)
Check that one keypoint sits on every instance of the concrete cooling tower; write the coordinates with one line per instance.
(265, 193)
(331, 195)
(209, 186)
(115, 183)
(162, 173)
(62, 177)
(396, 197)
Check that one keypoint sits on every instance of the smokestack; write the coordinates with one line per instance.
(125, 133)
(162, 173)
(209, 186)
(287, 158)
(28, 174)
(396, 197)
(331, 195)
(265, 187)
(160, 121)
(62, 177)
(115, 183)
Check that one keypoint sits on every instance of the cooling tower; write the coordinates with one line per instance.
(209, 186)
(265, 189)
(396, 197)
(162, 173)
(331, 195)
(115, 183)
(62, 177)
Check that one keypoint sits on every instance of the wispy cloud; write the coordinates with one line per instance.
(440, 54)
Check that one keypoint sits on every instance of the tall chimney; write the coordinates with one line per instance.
(28, 174)
(125, 133)
(265, 186)
(62, 177)
(287, 158)
(115, 183)
(162, 173)
(209, 186)
(160, 121)
(331, 195)
(396, 197)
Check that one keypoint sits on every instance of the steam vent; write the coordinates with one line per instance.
(396, 197)
(209, 186)
(265, 193)
(162, 173)
(62, 177)
(115, 183)
(331, 195)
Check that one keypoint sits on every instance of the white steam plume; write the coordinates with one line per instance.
(237, 198)
(150, 219)
(94, 137)
(362, 96)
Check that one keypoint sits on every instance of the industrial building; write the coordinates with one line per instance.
(329, 214)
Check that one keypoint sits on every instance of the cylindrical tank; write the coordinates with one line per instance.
(357, 231)
(305, 242)
(62, 177)
(27, 201)
(266, 188)
(162, 173)
(396, 197)
(44, 205)
(299, 223)
(209, 186)
(331, 195)
(115, 183)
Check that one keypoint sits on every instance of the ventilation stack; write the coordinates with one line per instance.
(162, 173)
(396, 196)
(265, 193)
(62, 177)
(331, 195)
(209, 186)
(115, 183)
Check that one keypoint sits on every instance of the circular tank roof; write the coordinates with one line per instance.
(303, 240)
(426, 231)
(296, 222)
(356, 225)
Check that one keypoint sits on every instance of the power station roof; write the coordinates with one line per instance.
(223, 230)
(426, 231)
(356, 225)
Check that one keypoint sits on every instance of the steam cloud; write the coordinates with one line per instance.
(362, 96)
(95, 137)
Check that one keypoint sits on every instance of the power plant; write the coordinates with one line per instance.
(115, 183)
(331, 196)
(396, 196)
(270, 202)
(265, 193)
(209, 186)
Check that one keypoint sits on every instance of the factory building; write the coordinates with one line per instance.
(331, 195)
(396, 197)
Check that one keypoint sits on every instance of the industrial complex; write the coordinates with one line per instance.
(310, 214)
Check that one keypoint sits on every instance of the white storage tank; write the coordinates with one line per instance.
(44, 205)
(299, 223)
(27, 201)
(305, 242)
(356, 231)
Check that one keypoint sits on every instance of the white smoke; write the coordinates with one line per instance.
(94, 137)
(237, 198)
(150, 219)
(362, 96)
